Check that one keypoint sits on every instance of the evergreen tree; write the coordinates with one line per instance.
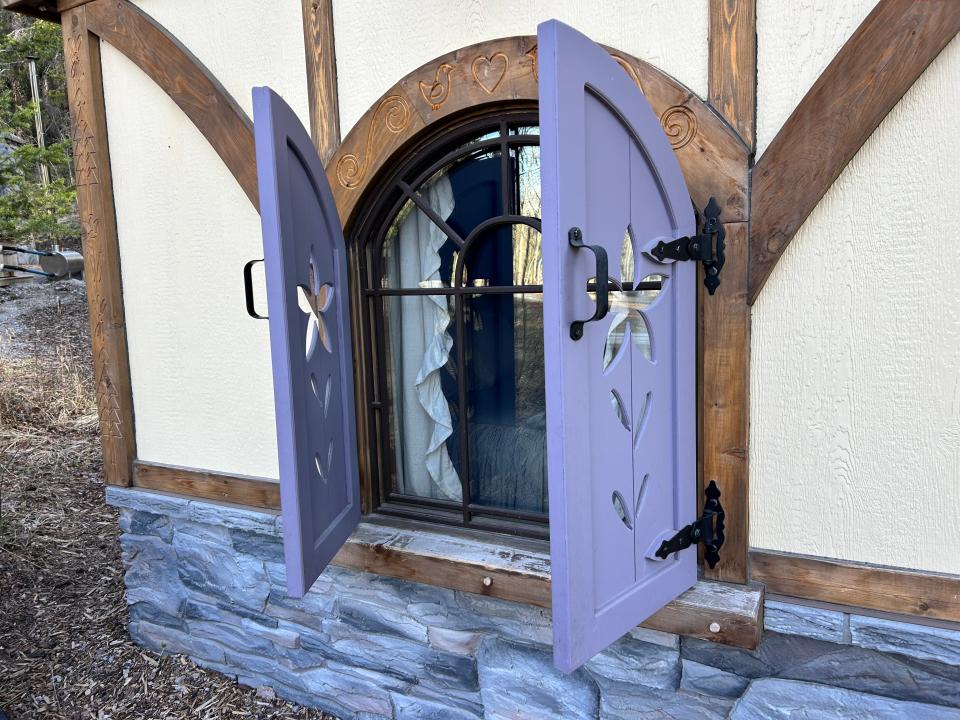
(32, 213)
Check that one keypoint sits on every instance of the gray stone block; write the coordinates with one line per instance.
(258, 545)
(201, 532)
(219, 572)
(234, 517)
(510, 620)
(157, 503)
(171, 641)
(372, 618)
(656, 637)
(625, 701)
(140, 522)
(145, 611)
(791, 619)
(917, 641)
(152, 575)
(425, 707)
(773, 699)
(520, 681)
(309, 611)
(283, 636)
(461, 642)
(632, 661)
(233, 637)
(709, 680)
(799, 658)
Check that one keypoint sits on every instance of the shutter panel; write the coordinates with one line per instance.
(621, 408)
(305, 261)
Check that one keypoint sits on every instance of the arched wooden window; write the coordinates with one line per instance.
(449, 254)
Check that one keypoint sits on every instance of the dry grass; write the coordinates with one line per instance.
(64, 647)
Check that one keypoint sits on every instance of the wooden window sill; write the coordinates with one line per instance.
(518, 569)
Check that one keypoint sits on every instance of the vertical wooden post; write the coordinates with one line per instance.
(100, 247)
(724, 330)
(321, 54)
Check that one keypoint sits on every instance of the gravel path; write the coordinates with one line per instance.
(64, 647)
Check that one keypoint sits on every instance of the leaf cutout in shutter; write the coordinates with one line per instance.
(641, 421)
(617, 402)
(640, 334)
(626, 259)
(641, 495)
(621, 508)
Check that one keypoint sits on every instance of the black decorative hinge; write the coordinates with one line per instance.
(706, 246)
(707, 530)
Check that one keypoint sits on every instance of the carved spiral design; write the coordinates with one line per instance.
(680, 125)
(394, 113)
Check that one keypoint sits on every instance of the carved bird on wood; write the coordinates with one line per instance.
(436, 92)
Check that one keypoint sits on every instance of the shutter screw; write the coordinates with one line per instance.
(487, 581)
(714, 627)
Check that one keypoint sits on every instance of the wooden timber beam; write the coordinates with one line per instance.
(318, 42)
(872, 71)
(841, 582)
(101, 250)
(185, 79)
(724, 318)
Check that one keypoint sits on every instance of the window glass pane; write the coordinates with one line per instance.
(474, 183)
(504, 256)
(505, 403)
(421, 395)
(528, 170)
(525, 130)
(416, 253)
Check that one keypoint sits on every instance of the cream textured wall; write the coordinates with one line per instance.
(200, 367)
(855, 387)
(380, 41)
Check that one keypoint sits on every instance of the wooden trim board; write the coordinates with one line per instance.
(320, 49)
(872, 71)
(237, 489)
(723, 318)
(895, 590)
(101, 249)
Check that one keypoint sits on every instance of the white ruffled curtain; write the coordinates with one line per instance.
(420, 345)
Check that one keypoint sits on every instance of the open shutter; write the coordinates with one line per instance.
(305, 260)
(621, 414)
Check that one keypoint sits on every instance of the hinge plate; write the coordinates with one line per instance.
(707, 530)
(706, 247)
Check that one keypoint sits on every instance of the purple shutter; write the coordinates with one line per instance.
(305, 260)
(621, 414)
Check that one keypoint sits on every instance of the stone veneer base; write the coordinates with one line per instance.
(207, 580)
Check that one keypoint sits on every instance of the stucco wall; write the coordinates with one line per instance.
(379, 42)
(855, 388)
(200, 367)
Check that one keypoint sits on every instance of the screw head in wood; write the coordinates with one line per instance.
(487, 581)
(714, 627)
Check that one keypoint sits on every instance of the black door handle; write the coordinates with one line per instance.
(575, 236)
(248, 290)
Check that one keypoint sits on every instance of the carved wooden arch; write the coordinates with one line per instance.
(713, 157)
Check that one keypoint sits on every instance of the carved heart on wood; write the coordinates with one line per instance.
(489, 71)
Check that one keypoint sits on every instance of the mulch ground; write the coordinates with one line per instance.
(64, 647)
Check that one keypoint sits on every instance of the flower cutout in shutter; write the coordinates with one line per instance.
(315, 301)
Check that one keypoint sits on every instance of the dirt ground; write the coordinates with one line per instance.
(64, 647)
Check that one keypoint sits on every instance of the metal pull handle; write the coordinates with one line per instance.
(575, 236)
(248, 290)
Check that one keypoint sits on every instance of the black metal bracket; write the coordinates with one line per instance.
(575, 237)
(707, 246)
(707, 530)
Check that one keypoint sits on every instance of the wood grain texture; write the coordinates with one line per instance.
(732, 75)
(876, 66)
(101, 250)
(724, 372)
(237, 489)
(865, 586)
(724, 317)
(185, 79)
(318, 40)
(712, 156)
